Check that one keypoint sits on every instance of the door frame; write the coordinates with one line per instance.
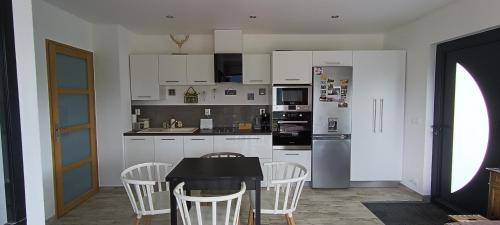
(53, 47)
(12, 151)
(439, 98)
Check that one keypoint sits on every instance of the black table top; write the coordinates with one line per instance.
(247, 168)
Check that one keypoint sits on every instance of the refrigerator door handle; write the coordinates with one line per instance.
(381, 115)
(374, 116)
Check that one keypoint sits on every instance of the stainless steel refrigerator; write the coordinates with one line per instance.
(331, 132)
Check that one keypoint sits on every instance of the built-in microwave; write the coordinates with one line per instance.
(292, 98)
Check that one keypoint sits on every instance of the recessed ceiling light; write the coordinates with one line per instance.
(335, 16)
(169, 16)
(253, 17)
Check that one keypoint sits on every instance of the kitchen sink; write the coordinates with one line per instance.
(187, 130)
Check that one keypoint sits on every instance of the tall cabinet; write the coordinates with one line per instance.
(378, 115)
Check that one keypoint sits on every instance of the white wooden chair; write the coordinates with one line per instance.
(147, 189)
(286, 181)
(219, 211)
(223, 155)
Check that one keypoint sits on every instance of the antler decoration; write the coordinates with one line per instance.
(179, 42)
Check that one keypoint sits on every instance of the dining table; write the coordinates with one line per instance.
(216, 174)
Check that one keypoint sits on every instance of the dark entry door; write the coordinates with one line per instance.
(467, 116)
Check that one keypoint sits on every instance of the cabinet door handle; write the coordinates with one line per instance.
(256, 80)
(144, 96)
(231, 139)
(172, 81)
(374, 116)
(292, 79)
(381, 114)
(332, 62)
(168, 139)
(138, 139)
(200, 81)
(292, 154)
(197, 139)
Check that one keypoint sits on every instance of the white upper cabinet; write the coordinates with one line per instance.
(172, 69)
(292, 67)
(200, 70)
(144, 77)
(378, 115)
(332, 58)
(256, 68)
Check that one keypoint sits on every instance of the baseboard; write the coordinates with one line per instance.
(375, 183)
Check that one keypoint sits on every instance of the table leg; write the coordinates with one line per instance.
(257, 202)
(173, 204)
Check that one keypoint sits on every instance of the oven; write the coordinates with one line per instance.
(292, 98)
(292, 130)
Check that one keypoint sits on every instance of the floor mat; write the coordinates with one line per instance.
(408, 213)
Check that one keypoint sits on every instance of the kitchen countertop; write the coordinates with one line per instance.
(216, 131)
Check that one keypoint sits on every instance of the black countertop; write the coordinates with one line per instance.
(216, 131)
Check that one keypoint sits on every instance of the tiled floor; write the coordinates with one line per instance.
(318, 207)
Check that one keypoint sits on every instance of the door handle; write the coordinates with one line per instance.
(172, 81)
(197, 139)
(168, 139)
(292, 79)
(381, 115)
(374, 116)
(137, 139)
(256, 80)
(144, 96)
(292, 154)
(288, 121)
(57, 132)
(200, 81)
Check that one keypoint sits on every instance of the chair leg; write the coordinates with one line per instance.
(137, 221)
(148, 220)
(250, 217)
(289, 219)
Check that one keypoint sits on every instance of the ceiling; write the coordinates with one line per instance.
(272, 16)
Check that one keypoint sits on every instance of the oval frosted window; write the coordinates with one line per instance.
(470, 129)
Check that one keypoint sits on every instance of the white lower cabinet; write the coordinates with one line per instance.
(169, 149)
(139, 149)
(302, 157)
(265, 171)
(248, 145)
(196, 146)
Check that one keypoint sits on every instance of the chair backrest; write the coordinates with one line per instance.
(141, 182)
(217, 215)
(287, 179)
(223, 155)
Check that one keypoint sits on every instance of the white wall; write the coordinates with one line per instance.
(28, 111)
(461, 18)
(57, 25)
(112, 99)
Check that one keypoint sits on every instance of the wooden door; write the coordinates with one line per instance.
(72, 110)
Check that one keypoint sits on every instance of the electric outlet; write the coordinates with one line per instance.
(207, 112)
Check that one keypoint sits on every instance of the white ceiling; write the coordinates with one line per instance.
(273, 16)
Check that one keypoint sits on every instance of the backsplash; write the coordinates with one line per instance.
(214, 95)
(190, 115)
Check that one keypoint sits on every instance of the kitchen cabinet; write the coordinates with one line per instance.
(196, 146)
(200, 70)
(139, 149)
(302, 157)
(144, 77)
(292, 67)
(172, 69)
(332, 58)
(248, 145)
(256, 69)
(169, 149)
(378, 115)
